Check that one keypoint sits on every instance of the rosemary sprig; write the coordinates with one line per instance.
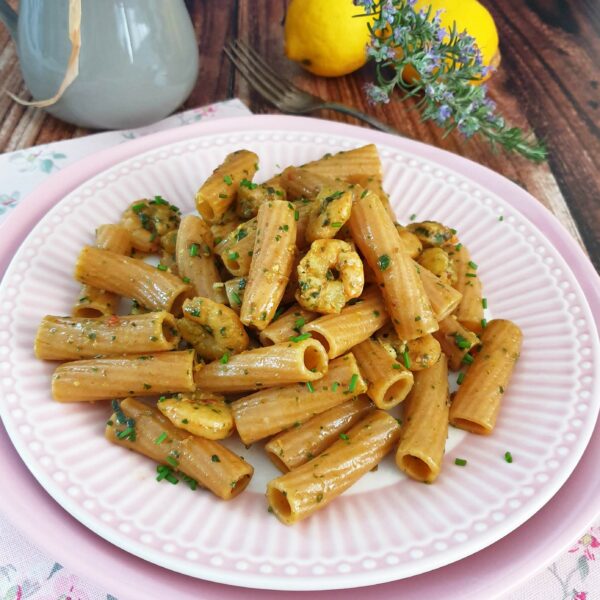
(405, 41)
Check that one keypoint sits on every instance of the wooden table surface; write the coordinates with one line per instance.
(548, 82)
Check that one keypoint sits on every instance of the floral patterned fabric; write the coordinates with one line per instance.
(27, 573)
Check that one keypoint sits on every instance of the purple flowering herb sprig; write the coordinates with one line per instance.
(447, 62)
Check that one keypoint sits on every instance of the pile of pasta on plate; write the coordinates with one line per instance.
(295, 311)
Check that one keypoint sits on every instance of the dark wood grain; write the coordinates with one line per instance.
(548, 82)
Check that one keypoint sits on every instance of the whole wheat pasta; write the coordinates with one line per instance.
(237, 248)
(477, 402)
(425, 424)
(456, 341)
(290, 324)
(302, 443)
(68, 338)
(131, 278)
(279, 364)
(470, 310)
(389, 382)
(93, 302)
(272, 260)
(207, 462)
(219, 191)
(312, 486)
(375, 234)
(122, 376)
(272, 410)
(354, 324)
(195, 259)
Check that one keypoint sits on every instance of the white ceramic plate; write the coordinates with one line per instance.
(386, 527)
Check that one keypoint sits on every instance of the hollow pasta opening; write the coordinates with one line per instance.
(88, 312)
(265, 340)
(314, 359)
(177, 304)
(240, 485)
(416, 467)
(205, 209)
(277, 461)
(471, 426)
(397, 392)
(279, 503)
(321, 339)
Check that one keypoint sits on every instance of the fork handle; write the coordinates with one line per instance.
(372, 121)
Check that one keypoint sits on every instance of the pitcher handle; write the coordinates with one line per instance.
(9, 17)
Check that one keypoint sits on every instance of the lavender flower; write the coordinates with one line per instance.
(447, 62)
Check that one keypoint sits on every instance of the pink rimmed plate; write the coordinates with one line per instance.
(388, 527)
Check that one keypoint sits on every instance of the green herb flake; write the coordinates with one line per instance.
(161, 267)
(248, 184)
(353, 382)
(508, 457)
(224, 359)
(467, 359)
(194, 250)
(460, 378)
(215, 458)
(345, 437)
(461, 462)
(484, 303)
(309, 387)
(383, 262)
(233, 255)
(228, 179)
(301, 337)
(161, 438)
(406, 359)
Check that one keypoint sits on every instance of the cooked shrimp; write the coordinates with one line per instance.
(213, 329)
(319, 287)
(201, 413)
(431, 233)
(438, 262)
(148, 221)
(420, 353)
(330, 210)
(412, 244)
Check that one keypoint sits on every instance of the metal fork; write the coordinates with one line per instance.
(283, 93)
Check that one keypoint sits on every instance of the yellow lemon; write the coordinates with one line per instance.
(471, 16)
(326, 36)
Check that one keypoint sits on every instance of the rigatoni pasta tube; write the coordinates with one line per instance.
(272, 259)
(477, 402)
(237, 248)
(132, 278)
(456, 341)
(289, 324)
(207, 462)
(470, 309)
(66, 338)
(219, 191)
(195, 259)
(301, 492)
(279, 364)
(93, 302)
(270, 411)
(121, 376)
(425, 424)
(389, 382)
(354, 324)
(375, 234)
(298, 445)
(443, 298)
(348, 164)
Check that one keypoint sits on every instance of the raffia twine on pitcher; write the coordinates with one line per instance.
(73, 64)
